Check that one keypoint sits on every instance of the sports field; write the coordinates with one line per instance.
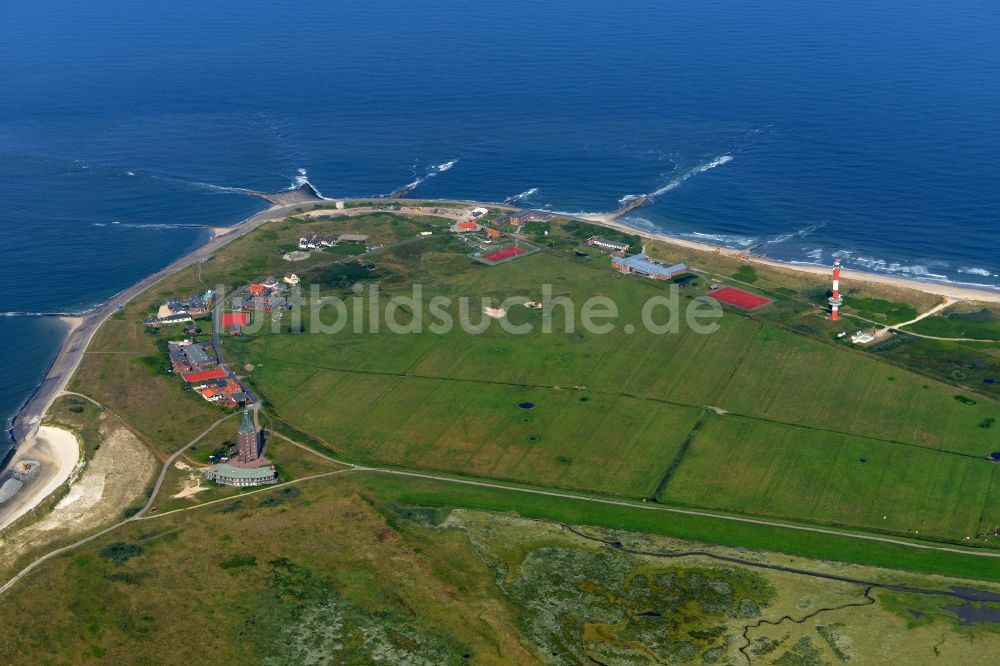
(739, 298)
(506, 253)
(788, 417)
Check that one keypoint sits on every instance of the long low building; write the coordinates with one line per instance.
(643, 265)
(231, 475)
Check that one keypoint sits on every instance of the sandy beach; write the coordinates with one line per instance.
(951, 291)
(59, 452)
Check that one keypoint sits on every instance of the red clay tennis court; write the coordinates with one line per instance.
(739, 298)
(235, 319)
(505, 253)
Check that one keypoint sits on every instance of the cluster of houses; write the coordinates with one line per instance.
(179, 311)
(312, 241)
(267, 295)
(198, 364)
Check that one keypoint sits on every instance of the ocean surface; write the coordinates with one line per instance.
(871, 130)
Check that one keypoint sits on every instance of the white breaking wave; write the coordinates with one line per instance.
(679, 180)
(433, 171)
(816, 254)
(301, 180)
(975, 271)
(781, 238)
(724, 239)
(701, 168)
(883, 266)
(523, 195)
(131, 173)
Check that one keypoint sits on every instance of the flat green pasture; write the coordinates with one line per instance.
(744, 465)
(574, 439)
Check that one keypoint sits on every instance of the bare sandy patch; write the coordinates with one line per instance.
(113, 480)
(59, 452)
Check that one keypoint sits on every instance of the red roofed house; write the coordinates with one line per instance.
(216, 373)
(235, 319)
(467, 226)
(257, 289)
(493, 233)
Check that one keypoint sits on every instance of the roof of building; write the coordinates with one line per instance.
(643, 264)
(608, 241)
(249, 473)
(352, 238)
(541, 214)
(217, 373)
(256, 289)
(246, 425)
(199, 354)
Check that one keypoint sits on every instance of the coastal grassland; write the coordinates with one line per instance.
(184, 485)
(973, 365)
(318, 575)
(342, 572)
(612, 413)
(619, 445)
(980, 321)
(742, 465)
(748, 366)
(704, 529)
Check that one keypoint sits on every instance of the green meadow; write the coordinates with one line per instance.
(787, 416)
(766, 416)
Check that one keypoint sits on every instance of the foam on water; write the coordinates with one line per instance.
(523, 195)
(679, 180)
(976, 271)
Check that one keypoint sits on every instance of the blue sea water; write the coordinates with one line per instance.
(866, 129)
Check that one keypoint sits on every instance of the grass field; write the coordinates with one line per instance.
(344, 573)
(612, 412)
(740, 464)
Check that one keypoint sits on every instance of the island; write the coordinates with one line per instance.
(366, 422)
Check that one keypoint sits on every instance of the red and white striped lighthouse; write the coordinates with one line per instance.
(836, 300)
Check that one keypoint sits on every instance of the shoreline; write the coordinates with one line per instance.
(948, 290)
(23, 426)
(58, 450)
